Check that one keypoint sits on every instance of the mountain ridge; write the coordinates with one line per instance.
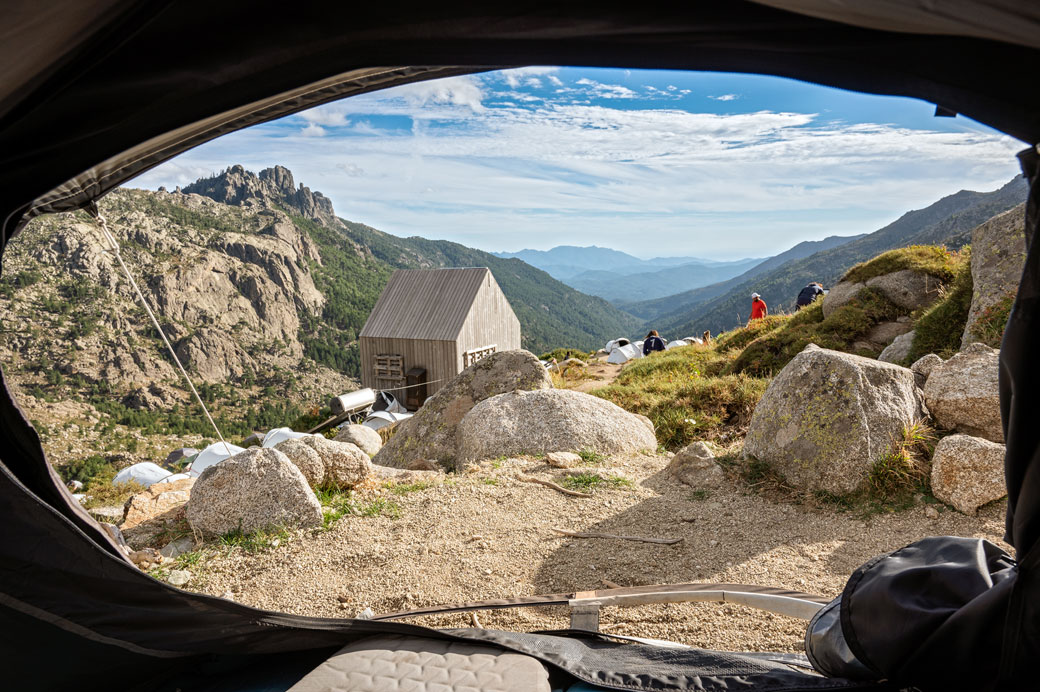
(948, 220)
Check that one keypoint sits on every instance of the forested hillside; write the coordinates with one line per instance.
(357, 260)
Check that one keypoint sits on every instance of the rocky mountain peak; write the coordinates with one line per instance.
(273, 186)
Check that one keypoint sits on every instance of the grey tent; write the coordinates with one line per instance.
(94, 92)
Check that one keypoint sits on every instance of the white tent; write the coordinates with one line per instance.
(276, 435)
(145, 473)
(214, 454)
(623, 354)
(380, 419)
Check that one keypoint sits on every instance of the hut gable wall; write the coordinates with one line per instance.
(490, 322)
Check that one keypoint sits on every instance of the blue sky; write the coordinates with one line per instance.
(654, 163)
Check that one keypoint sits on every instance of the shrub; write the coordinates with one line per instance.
(84, 470)
(990, 325)
(562, 354)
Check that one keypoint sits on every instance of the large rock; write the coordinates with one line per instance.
(345, 464)
(898, 350)
(998, 253)
(884, 333)
(430, 433)
(963, 394)
(252, 490)
(305, 458)
(968, 472)
(907, 288)
(160, 501)
(367, 439)
(839, 295)
(923, 367)
(695, 466)
(550, 420)
(828, 416)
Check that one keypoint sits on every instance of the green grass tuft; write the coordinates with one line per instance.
(989, 327)
(259, 541)
(927, 259)
(588, 482)
(940, 327)
(589, 456)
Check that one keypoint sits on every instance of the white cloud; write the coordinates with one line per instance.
(541, 173)
(330, 115)
(606, 91)
(313, 130)
(723, 97)
(516, 76)
(554, 80)
(452, 91)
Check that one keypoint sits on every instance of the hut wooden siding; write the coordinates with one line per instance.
(433, 318)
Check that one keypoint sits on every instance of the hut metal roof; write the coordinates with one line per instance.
(425, 304)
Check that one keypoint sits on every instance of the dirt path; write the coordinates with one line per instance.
(602, 374)
(486, 534)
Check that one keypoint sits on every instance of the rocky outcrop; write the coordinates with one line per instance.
(213, 356)
(906, 288)
(431, 432)
(345, 464)
(828, 416)
(898, 350)
(968, 472)
(839, 295)
(238, 187)
(884, 333)
(155, 397)
(162, 501)
(998, 253)
(305, 458)
(963, 394)
(695, 466)
(549, 420)
(252, 490)
(366, 439)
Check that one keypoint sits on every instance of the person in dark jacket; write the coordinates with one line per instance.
(653, 342)
(808, 294)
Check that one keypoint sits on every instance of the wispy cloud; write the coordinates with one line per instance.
(495, 161)
(725, 97)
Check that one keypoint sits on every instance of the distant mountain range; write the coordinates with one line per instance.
(652, 309)
(618, 276)
(725, 305)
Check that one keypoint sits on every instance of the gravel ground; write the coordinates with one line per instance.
(486, 535)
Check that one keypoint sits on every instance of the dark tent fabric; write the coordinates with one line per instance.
(94, 93)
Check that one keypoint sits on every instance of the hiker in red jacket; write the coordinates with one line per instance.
(758, 307)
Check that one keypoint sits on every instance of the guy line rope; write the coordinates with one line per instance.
(113, 249)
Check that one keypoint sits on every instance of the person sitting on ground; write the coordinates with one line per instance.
(706, 338)
(808, 294)
(758, 308)
(653, 342)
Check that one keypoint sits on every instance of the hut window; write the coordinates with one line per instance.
(472, 356)
(389, 370)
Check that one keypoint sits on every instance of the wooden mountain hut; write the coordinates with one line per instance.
(430, 324)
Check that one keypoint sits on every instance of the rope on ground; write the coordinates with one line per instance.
(113, 249)
(641, 539)
(550, 484)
